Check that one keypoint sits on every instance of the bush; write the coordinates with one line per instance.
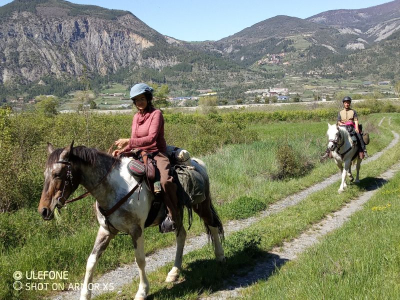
(290, 163)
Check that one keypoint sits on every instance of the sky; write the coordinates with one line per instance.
(200, 20)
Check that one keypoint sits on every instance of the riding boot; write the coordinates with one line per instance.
(173, 220)
(362, 145)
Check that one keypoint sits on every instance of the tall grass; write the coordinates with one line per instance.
(202, 275)
(361, 260)
(239, 173)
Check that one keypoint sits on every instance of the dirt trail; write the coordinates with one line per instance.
(290, 250)
(124, 275)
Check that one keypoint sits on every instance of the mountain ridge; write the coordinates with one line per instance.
(56, 38)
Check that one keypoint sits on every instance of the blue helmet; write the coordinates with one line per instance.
(139, 89)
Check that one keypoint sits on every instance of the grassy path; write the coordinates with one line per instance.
(289, 251)
(164, 256)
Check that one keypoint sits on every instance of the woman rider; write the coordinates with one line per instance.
(148, 135)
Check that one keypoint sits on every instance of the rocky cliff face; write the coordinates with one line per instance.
(49, 40)
(373, 23)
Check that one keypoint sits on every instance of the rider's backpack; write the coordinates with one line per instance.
(365, 137)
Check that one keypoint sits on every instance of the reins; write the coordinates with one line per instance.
(339, 146)
(69, 178)
(106, 213)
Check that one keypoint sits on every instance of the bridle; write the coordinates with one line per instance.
(335, 142)
(337, 146)
(69, 180)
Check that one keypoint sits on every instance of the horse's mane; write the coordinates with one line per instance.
(84, 154)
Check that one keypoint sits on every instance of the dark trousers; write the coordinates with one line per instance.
(360, 138)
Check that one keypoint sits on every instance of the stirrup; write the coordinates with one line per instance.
(167, 225)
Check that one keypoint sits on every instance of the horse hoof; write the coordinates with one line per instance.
(140, 298)
(171, 278)
(357, 181)
(340, 191)
(221, 259)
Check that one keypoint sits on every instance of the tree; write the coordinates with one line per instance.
(397, 88)
(161, 95)
(47, 105)
(208, 104)
(93, 105)
(83, 99)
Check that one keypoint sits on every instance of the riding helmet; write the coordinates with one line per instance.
(347, 98)
(140, 88)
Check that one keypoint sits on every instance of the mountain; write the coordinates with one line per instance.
(50, 46)
(55, 37)
(277, 35)
(373, 24)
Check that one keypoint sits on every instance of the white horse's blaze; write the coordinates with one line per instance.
(343, 151)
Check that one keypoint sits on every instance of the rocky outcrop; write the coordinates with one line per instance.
(49, 41)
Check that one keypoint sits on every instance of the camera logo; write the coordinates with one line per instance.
(17, 285)
(17, 275)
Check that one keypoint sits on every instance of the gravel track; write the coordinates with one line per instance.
(278, 256)
(124, 275)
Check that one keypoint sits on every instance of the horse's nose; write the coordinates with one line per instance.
(45, 213)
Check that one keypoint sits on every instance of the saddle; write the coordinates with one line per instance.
(143, 166)
(191, 185)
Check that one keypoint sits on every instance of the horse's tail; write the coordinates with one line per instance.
(216, 221)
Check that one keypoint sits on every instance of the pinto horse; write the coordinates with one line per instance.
(108, 180)
(343, 151)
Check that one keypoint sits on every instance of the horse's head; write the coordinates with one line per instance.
(59, 182)
(333, 136)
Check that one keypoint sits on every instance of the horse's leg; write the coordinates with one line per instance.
(180, 243)
(350, 174)
(213, 226)
(343, 183)
(102, 240)
(347, 166)
(358, 169)
(138, 244)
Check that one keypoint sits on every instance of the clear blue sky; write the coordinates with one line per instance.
(200, 20)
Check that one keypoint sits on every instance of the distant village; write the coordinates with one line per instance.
(266, 95)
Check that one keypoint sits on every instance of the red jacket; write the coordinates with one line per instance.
(148, 132)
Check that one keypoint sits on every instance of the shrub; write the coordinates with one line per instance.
(290, 163)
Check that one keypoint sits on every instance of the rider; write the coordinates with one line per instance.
(148, 135)
(348, 117)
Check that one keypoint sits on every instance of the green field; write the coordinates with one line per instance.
(242, 154)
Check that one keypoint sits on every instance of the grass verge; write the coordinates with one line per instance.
(202, 275)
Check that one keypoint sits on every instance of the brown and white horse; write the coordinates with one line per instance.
(344, 152)
(108, 180)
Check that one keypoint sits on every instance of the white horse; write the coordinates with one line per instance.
(343, 151)
(108, 180)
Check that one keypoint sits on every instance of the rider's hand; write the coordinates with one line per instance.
(121, 143)
(116, 153)
(357, 130)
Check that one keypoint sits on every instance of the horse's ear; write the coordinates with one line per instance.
(67, 152)
(50, 148)
(329, 125)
